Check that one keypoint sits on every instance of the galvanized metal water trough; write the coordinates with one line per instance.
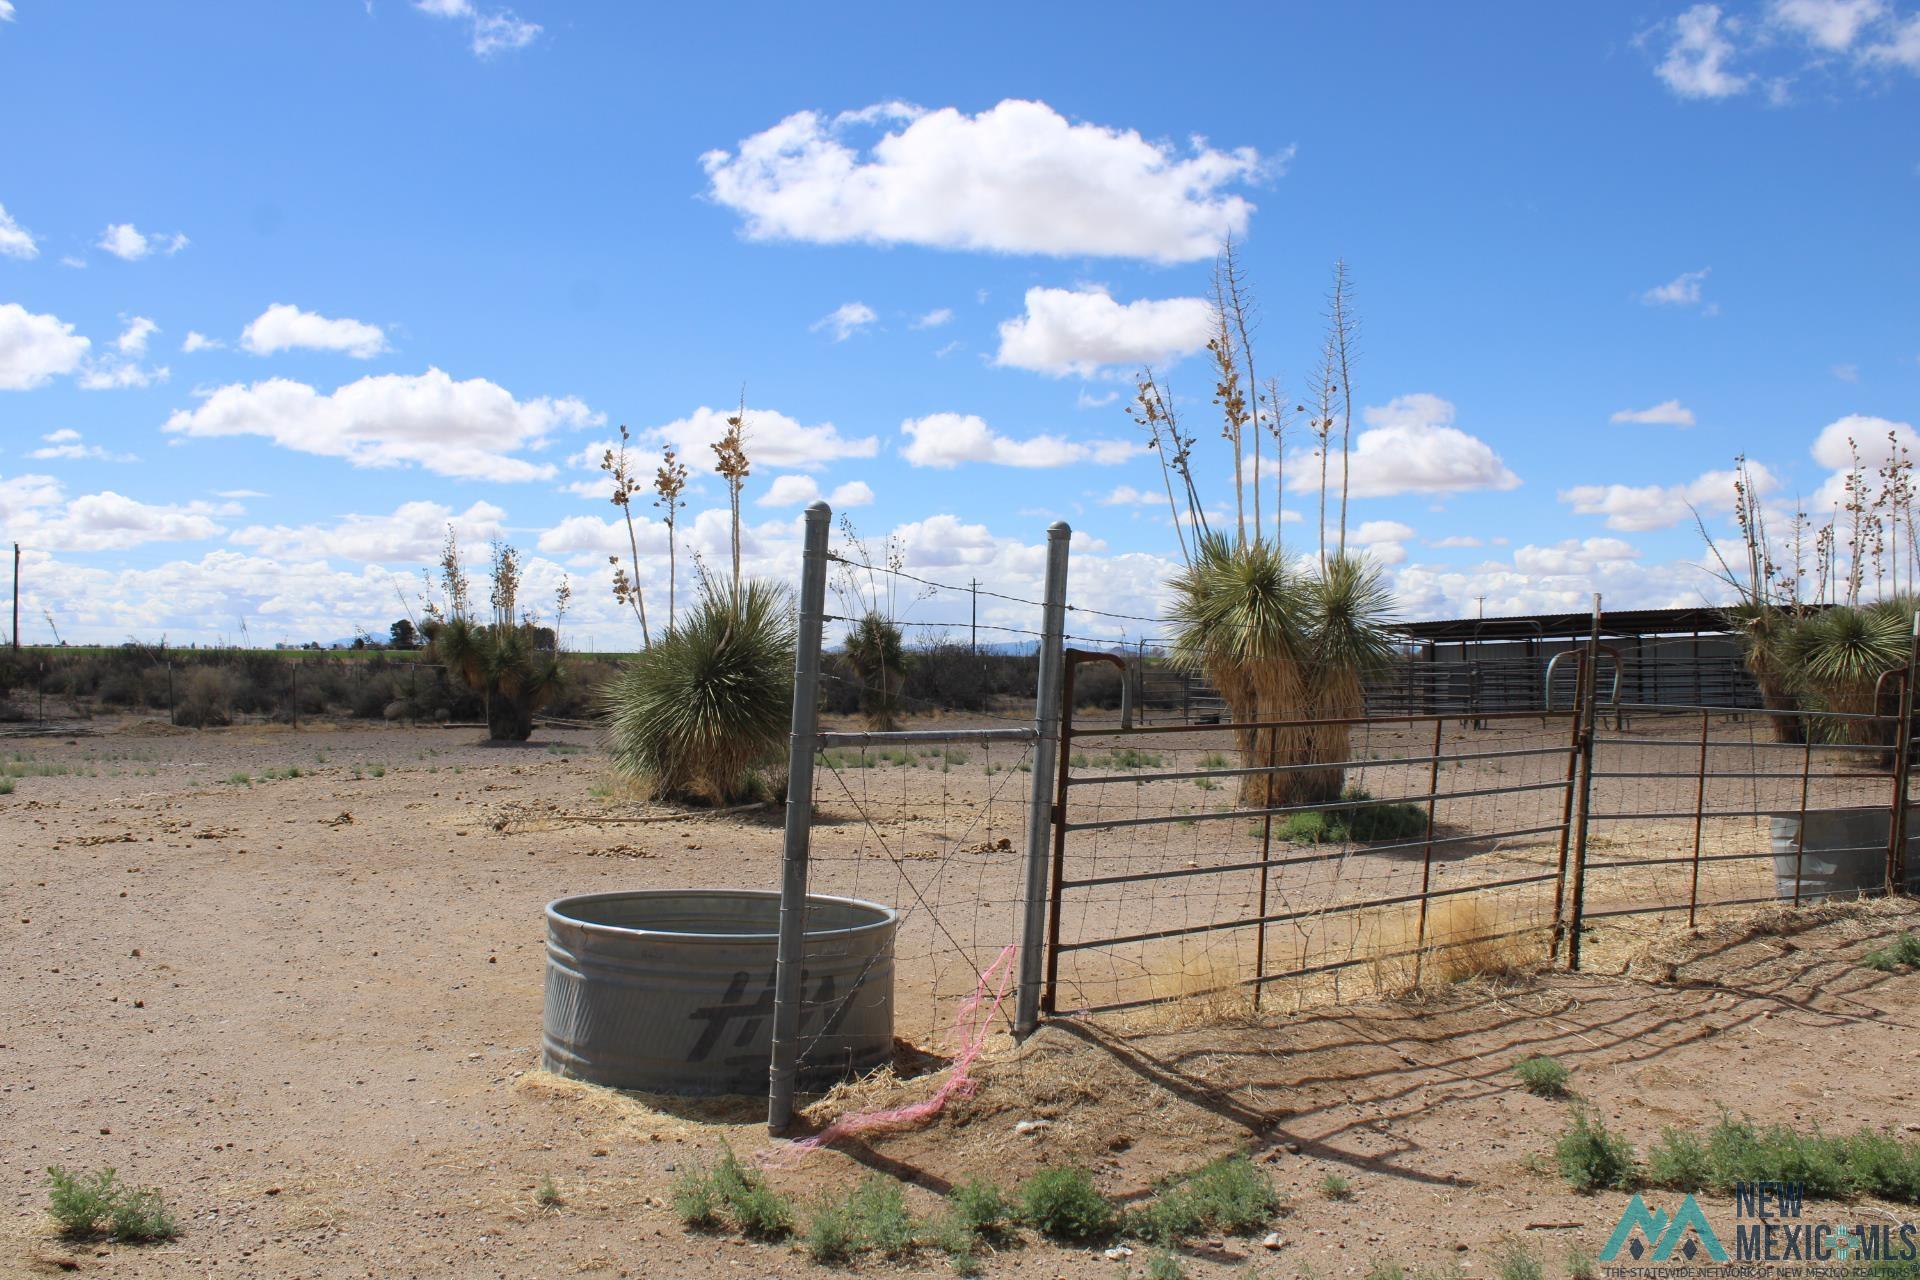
(671, 990)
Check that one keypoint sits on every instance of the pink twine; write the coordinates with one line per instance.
(968, 1035)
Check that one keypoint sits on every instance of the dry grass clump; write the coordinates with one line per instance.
(1202, 982)
(1466, 938)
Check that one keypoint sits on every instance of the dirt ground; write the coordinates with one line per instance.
(307, 1008)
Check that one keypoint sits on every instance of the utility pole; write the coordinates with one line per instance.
(973, 626)
(16, 597)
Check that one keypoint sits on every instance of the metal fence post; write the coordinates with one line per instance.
(1040, 815)
(1902, 771)
(793, 858)
(1589, 695)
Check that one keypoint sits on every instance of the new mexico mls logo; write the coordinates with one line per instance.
(1662, 1234)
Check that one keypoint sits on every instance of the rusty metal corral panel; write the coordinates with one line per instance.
(671, 991)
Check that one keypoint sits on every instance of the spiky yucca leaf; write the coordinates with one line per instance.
(1236, 605)
(1349, 608)
(700, 713)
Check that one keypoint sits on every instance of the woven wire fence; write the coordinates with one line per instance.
(1695, 812)
(1429, 847)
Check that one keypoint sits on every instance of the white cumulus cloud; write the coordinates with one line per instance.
(471, 429)
(69, 445)
(1684, 290)
(1636, 508)
(945, 440)
(282, 327)
(1077, 331)
(39, 514)
(489, 32)
(772, 440)
(1699, 53)
(1409, 445)
(1668, 413)
(34, 349)
(413, 533)
(845, 320)
(125, 241)
(15, 240)
(1828, 24)
(1016, 178)
(797, 490)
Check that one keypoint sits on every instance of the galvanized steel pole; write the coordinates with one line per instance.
(1046, 725)
(793, 865)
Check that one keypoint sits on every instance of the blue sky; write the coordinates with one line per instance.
(435, 253)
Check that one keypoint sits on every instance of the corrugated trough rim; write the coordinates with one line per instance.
(557, 914)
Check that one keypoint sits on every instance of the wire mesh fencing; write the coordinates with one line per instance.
(1410, 848)
(1697, 811)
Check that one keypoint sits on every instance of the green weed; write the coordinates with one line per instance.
(1064, 1204)
(1902, 951)
(1164, 1265)
(98, 1203)
(1335, 1187)
(1542, 1076)
(1591, 1158)
(1514, 1261)
(1678, 1160)
(1229, 1194)
(1357, 820)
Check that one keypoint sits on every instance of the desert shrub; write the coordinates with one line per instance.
(981, 1207)
(1355, 820)
(139, 1217)
(696, 1199)
(1581, 1264)
(1590, 1158)
(1229, 1194)
(1335, 1187)
(1904, 950)
(1678, 1160)
(704, 1198)
(953, 677)
(1740, 1151)
(880, 1212)
(547, 1194)
(99, 1203)
(831, 1233)
(206, 701)
(1064, 1204)
(1164, 1265)
(1512, 1260)
(701, 713)
(1542, 1076)
(79, 1203)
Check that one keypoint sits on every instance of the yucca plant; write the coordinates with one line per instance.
(512, 662)
(1282, 644)
(1282, 641)
(1837, 658)
(878, 655)
(703, 713)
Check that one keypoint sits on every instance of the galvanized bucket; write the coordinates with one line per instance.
(1838, 853)
(671, 990)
